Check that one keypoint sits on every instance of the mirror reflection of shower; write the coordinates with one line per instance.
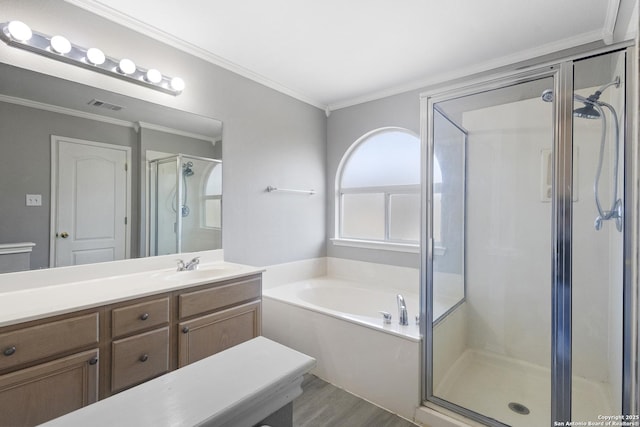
(185, 204)
(594, 109)
(187, 171)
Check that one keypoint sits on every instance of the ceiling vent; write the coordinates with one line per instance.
(101, 104)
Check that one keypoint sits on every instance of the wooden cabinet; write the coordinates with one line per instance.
(34, 395)
(145, 355)
(207, 335)
(227, 315)
(41, 341)
(50, 367)
(140, 316)
(49, 372)
(139, 358)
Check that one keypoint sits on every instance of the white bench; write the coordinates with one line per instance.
(240, 387)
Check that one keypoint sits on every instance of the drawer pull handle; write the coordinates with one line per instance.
(9, 350)
(93, 361)
(145, 316)
(185, 330)
(144, 357)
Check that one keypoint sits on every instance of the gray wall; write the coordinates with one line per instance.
(268, 138)
(25, 168)
(347, 125)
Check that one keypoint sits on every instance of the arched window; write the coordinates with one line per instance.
(378, 189)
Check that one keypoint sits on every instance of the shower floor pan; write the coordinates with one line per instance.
(488, 383)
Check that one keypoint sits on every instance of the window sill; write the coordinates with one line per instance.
(370, 244)
(386, 246)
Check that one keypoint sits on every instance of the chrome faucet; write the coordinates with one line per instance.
(190, 266)
(402, 311)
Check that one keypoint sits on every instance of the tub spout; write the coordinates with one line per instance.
(402, 311)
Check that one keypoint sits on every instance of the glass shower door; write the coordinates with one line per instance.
(527, 184)
(491, 352)
(163, 209)
(598, 237)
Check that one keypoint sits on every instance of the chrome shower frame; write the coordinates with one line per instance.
(561, 361)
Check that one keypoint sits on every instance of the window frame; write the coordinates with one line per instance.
(387, 190)
(205, 197)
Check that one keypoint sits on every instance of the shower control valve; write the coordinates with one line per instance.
(386, 317)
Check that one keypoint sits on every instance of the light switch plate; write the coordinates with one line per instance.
(34, 199)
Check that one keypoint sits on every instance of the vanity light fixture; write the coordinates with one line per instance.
(153, 76)
(95, 56)
(126, 66)
(19, 31)
(18, 34)
(177, 84)
(60, 45)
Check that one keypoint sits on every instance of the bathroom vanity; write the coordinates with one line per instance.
(68, 345)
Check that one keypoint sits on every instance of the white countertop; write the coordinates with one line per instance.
(19, 305)
(237, 387)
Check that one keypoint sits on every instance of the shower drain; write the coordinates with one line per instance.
(518, 408)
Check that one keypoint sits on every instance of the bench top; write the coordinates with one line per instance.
(219, 390)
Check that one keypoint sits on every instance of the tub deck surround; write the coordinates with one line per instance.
(332, 315)
(78, 288)
(350, 301)
(237, 387)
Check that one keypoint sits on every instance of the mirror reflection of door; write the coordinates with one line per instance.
(90, 202)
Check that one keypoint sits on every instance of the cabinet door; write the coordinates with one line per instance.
(207, 335)
(34, 395)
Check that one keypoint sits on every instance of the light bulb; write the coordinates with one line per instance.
(153, 76)
(60, 45)
(20, 31)
(126, 66)
(95, 56)
(177, 84)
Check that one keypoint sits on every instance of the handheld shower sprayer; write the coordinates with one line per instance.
(593, 109)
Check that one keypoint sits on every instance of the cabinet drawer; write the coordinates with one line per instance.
(38, 342)
(206, 300)
(137, 317)
(139, 358)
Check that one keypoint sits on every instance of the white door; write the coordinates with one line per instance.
(90, 202)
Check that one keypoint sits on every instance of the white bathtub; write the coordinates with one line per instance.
(350, 301)
(329, 308)
(337, 322)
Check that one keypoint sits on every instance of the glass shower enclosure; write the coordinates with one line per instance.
(528, 221)
(185, 204)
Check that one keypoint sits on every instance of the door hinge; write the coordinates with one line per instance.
(125, 220)
(126, 167)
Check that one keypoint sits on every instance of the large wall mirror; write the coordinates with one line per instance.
(87, 175)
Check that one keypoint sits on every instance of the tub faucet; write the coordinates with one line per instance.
(402, 311)
(190, 266)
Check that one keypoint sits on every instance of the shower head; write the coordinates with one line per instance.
(186, 169)
(589, 111)
(547, 95)
(586, 112)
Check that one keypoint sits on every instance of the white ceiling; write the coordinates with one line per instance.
(334, 53)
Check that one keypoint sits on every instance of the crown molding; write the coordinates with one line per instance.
(151, 126)
(63, 110)
(184, 46)
(603, 34)
(525, 55)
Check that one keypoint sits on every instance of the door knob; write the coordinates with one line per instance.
(64, 234)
